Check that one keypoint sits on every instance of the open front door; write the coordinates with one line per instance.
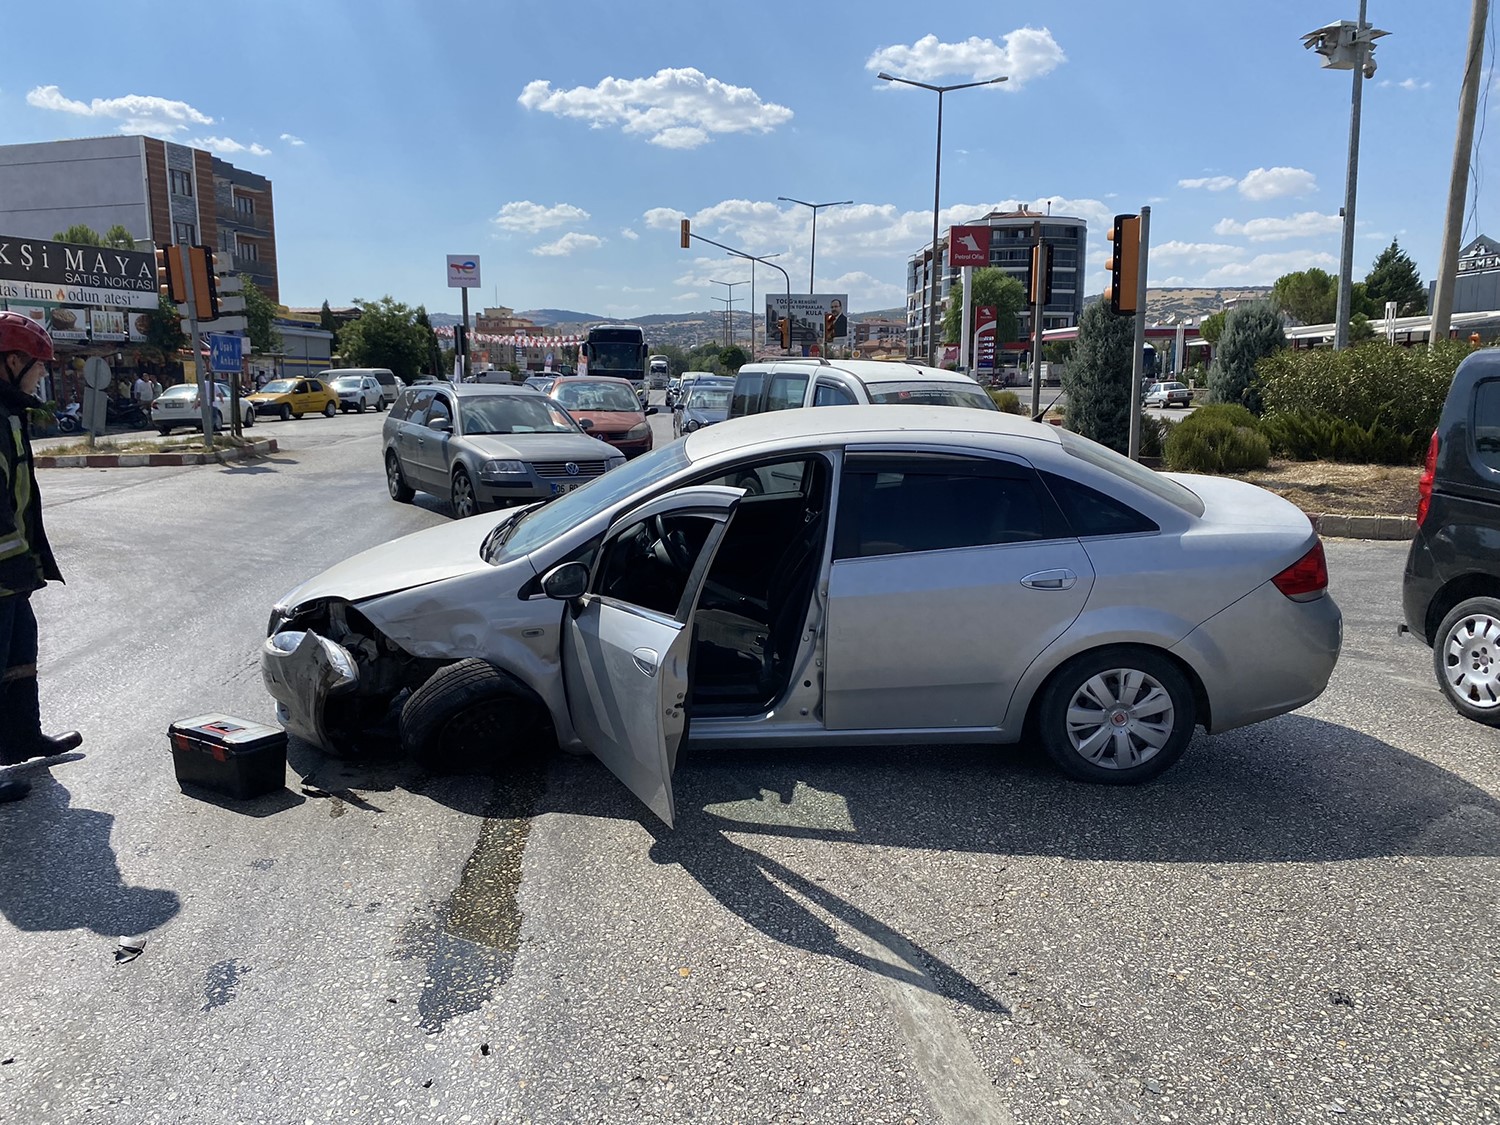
(627, 642)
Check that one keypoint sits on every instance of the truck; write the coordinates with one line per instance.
(659, 370)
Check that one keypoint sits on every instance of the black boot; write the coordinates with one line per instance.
(13, 791)
(21, 712)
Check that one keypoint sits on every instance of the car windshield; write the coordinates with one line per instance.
(580, 394)
(931, 394)
(1153, 482)
(615, 356)
(710, 398)
(348, 383)
(541, 525)
(277, 387)
(513, 414)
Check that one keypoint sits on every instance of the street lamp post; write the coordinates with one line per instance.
(1347, 46)
(937, 180)
(812, 261)
(729, 311)
(754, 312)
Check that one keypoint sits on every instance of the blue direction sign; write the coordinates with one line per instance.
(225, 353)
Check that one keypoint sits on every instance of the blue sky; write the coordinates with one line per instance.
(562, 142)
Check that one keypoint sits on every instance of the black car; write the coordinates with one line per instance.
(1451, 590)
(707, 402)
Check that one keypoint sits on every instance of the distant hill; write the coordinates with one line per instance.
(548, 317)
(1163, 306)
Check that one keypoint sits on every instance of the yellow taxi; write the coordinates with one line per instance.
(292, 398)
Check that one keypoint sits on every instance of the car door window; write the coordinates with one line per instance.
(421, 402)
(896, 505)
(1091, 513)
(1486, 426)
(747, 388)
(779, 478)
(787, 391)
(831, 394)
(439, 410)
(649, 562)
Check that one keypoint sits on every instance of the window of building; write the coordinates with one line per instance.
(182, 182)
(185, 233)
(244, 204)
(246, 249)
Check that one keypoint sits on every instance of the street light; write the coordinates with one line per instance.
(937, 180)
(813, 259)
(729, 310)
(754, 312)
(1347, 46)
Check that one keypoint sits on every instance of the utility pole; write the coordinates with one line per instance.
(1351, 179)
(1137, 361)
(1036, 332)
(205, 388)
(1468, 97)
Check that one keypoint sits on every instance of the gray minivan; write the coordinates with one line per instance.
(390, 385)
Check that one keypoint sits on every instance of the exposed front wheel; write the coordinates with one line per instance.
(1116, 716)
(395, 481)
(249, 419)
(465, 502)
(1466, 658)
(330, 410)
(164, 430)
(469, 716)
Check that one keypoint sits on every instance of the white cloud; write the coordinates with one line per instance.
(295, 142)
(626, 232)
(1266, 268)
(1305, 224)
(663, 218)
(569, 243)
(1407, 84)
(865, 291)
(1193, 251)
(138, 113)
(224, 146)
(1212, 183)
(1027, 53)
(524, 215)
(674, 108)
(1274, 183)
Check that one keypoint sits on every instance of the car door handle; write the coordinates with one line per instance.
(1050, 580)
(646, 660)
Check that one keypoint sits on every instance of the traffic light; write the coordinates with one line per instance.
(1041, 273)
(786, 331)
(687, 231)
(171, 273)
(205, 289)
(1124, 264)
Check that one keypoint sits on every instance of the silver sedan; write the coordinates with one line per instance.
(881, 574)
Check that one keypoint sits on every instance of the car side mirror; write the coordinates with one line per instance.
(567, 582)
(650, 410)
(442, 425)
(678, 405)
(585, 423)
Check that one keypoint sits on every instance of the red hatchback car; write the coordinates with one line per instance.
(608, 409)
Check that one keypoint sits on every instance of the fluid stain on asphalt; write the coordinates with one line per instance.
(469, 943)
(221, 983)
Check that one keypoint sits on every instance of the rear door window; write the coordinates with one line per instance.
(747, 389)
(1090, 513)
(787, 391)
(831, 394)
(1487, 423)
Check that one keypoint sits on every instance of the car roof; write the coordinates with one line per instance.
(471, 390)
(873, 370)
(866, 423)
(597, 379)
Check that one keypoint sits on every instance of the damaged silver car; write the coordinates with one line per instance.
(867, 575)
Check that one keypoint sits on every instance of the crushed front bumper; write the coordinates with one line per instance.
(302, 670)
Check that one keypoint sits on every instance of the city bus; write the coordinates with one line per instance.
(619, 351)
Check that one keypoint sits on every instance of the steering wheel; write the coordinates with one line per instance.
(675, 545)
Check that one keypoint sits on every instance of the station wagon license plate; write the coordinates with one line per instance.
(561, 486)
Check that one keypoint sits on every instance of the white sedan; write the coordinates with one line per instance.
(182, 406)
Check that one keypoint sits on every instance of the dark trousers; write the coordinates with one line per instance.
(20, 710)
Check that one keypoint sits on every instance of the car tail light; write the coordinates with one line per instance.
(1307, 578)
(1424, 486)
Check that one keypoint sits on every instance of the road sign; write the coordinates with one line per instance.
(225, 353)
(231, 304)
(223, 324)
(463, 271)
(968, 246)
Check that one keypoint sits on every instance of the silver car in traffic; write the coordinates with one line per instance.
(904, 574)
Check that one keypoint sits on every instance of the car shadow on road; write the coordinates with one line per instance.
(58, 871)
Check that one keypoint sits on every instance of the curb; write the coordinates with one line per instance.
(1363, 527)
(258, 448)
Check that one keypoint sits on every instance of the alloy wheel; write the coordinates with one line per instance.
(463, 495)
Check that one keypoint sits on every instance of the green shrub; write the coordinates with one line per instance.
(1316, 435)
(1252, 332)
(1231, 412)
(1210, 443)
(1008, 401)
(1153, 434)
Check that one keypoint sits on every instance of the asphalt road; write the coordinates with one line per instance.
(1297, 923)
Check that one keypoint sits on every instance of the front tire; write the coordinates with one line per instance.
(330, 410)
(395, 481)
(462, 496)
(1466, 659)
(469, 716)
(1116, 716)
(249, 420)
(164, 430)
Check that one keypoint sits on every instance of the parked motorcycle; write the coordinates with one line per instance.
(70, 418)
(123, 412)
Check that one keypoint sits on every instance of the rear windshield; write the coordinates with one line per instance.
(580, 394)
(1107, 459)
(931, 394)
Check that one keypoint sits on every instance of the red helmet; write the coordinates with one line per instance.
(22, 334)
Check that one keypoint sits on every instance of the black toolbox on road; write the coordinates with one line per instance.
(235, 757)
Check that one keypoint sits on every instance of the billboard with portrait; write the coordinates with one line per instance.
(817, 319)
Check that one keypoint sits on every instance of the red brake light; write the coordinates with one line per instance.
(1424, 486)
(1307, 578)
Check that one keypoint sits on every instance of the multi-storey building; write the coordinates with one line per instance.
(159, 191)
(1012, 234)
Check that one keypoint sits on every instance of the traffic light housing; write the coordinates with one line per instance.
(687, 232)
(785, 325)
(1041, 274)
(171, 273)
(205, 288)
(1124, 264)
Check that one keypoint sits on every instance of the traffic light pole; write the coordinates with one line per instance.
(686, 234)
(1137, 360)
(205, 389)
(1036, 328)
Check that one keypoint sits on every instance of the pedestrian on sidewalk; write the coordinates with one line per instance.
(26, 562)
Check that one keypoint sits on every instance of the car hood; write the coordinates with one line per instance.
(436, 553)
(540, 447)
(265, 396)
(705, 417)
(610, 420)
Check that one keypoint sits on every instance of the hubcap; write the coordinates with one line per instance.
(463, 497)
(1471, 661)
(392, 475)
(1120, 718)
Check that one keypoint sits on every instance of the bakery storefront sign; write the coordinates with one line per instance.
(64, 273)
